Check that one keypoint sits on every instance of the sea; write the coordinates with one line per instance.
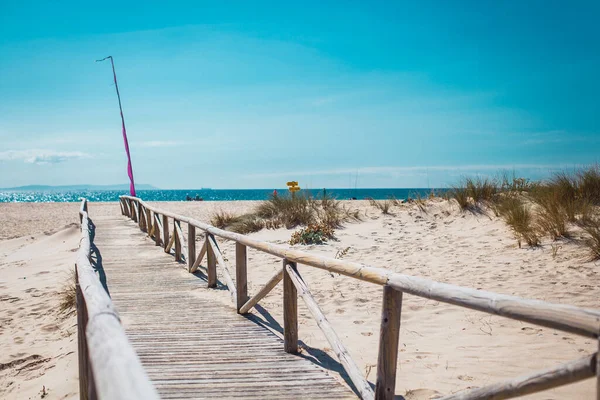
(207, 194)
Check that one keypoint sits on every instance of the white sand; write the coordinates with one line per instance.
(443, 348)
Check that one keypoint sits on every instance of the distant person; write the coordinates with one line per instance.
(275, 193)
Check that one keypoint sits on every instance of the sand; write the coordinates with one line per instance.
(443, 348)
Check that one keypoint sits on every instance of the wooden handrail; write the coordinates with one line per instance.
(585, 322)
(109, 368)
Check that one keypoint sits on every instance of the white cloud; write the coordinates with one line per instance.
(160, 143)
(41, 156)
(411, 171)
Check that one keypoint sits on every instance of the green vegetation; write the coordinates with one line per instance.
(312, 234)
(519, 218)
(289, 211)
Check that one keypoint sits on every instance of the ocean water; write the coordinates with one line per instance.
(205, 194)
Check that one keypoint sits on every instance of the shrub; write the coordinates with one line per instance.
(461, 196)
(222, 219)
(247, 223)
(481, 190)
(520, 219)
(552, 217)
(312, 234)
(589, 184)
(289, 210)
(593, 242)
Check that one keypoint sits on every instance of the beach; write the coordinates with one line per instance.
(443, 348)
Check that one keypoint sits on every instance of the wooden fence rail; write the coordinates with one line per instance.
(109, 368)
(584, 322)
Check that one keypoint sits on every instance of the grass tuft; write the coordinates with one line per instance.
(519, 218)
(68, 296)
(222, 219)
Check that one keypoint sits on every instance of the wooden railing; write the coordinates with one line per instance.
(584, 322)
(109, 368)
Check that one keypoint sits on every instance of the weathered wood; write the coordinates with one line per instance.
(141, 217)
(356, 376)
(576, 320)
(241, 275)
(170, 244)
(117, 371)
(389, 335)
(191, 254)
(564, 374)
(165, 233)
(149, 225)
(221, 261)
(271, 283)
(178, 238)
(82, 352)
(290, 312)
(158, 228)
(135, 209)
(211, 264)
(199, 258)
(598, 373)
(192, 344)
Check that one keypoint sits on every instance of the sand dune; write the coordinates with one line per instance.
(443, 348)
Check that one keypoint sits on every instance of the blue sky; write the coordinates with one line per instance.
(251, 95)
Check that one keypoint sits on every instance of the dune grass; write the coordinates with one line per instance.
(520, 219)
(592, 228)
(68, 296)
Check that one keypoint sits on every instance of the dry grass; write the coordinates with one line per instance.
(519, 218)
(290, 211)
(222, 219)
(247, 223)
(68, 296)
(592, 227)
(384, 206)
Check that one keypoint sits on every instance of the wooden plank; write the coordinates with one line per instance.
(220, 261)
(207, 351)
(117, 371)
(356, 376)
(389, 334)
(576, 320)
(211, 264)
(564, 374)
(149, 225)
(290, 312)
(241, 275)
(198, 259)
(191, 254)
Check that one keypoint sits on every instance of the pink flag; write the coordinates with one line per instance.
(129, 167)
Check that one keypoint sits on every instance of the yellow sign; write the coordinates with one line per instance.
(292, 183)
(294, 188)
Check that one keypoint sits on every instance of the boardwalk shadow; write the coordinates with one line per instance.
(314, 355)
(200, 274)
(96, 258)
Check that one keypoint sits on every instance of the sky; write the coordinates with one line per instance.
(330, 94)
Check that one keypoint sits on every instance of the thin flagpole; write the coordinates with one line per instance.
(129, 167)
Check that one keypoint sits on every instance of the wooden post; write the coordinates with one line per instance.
(388, 344)
(176, 224)
(211, 263)
(134, 211)
(290, 311)
(149, 221)
(166, 237)
(157, 230)
(241, 275)
(81, 342)
(191, 255)
(141, 216)
(598, 371)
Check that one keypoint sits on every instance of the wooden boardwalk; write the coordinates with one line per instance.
(191, 345)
